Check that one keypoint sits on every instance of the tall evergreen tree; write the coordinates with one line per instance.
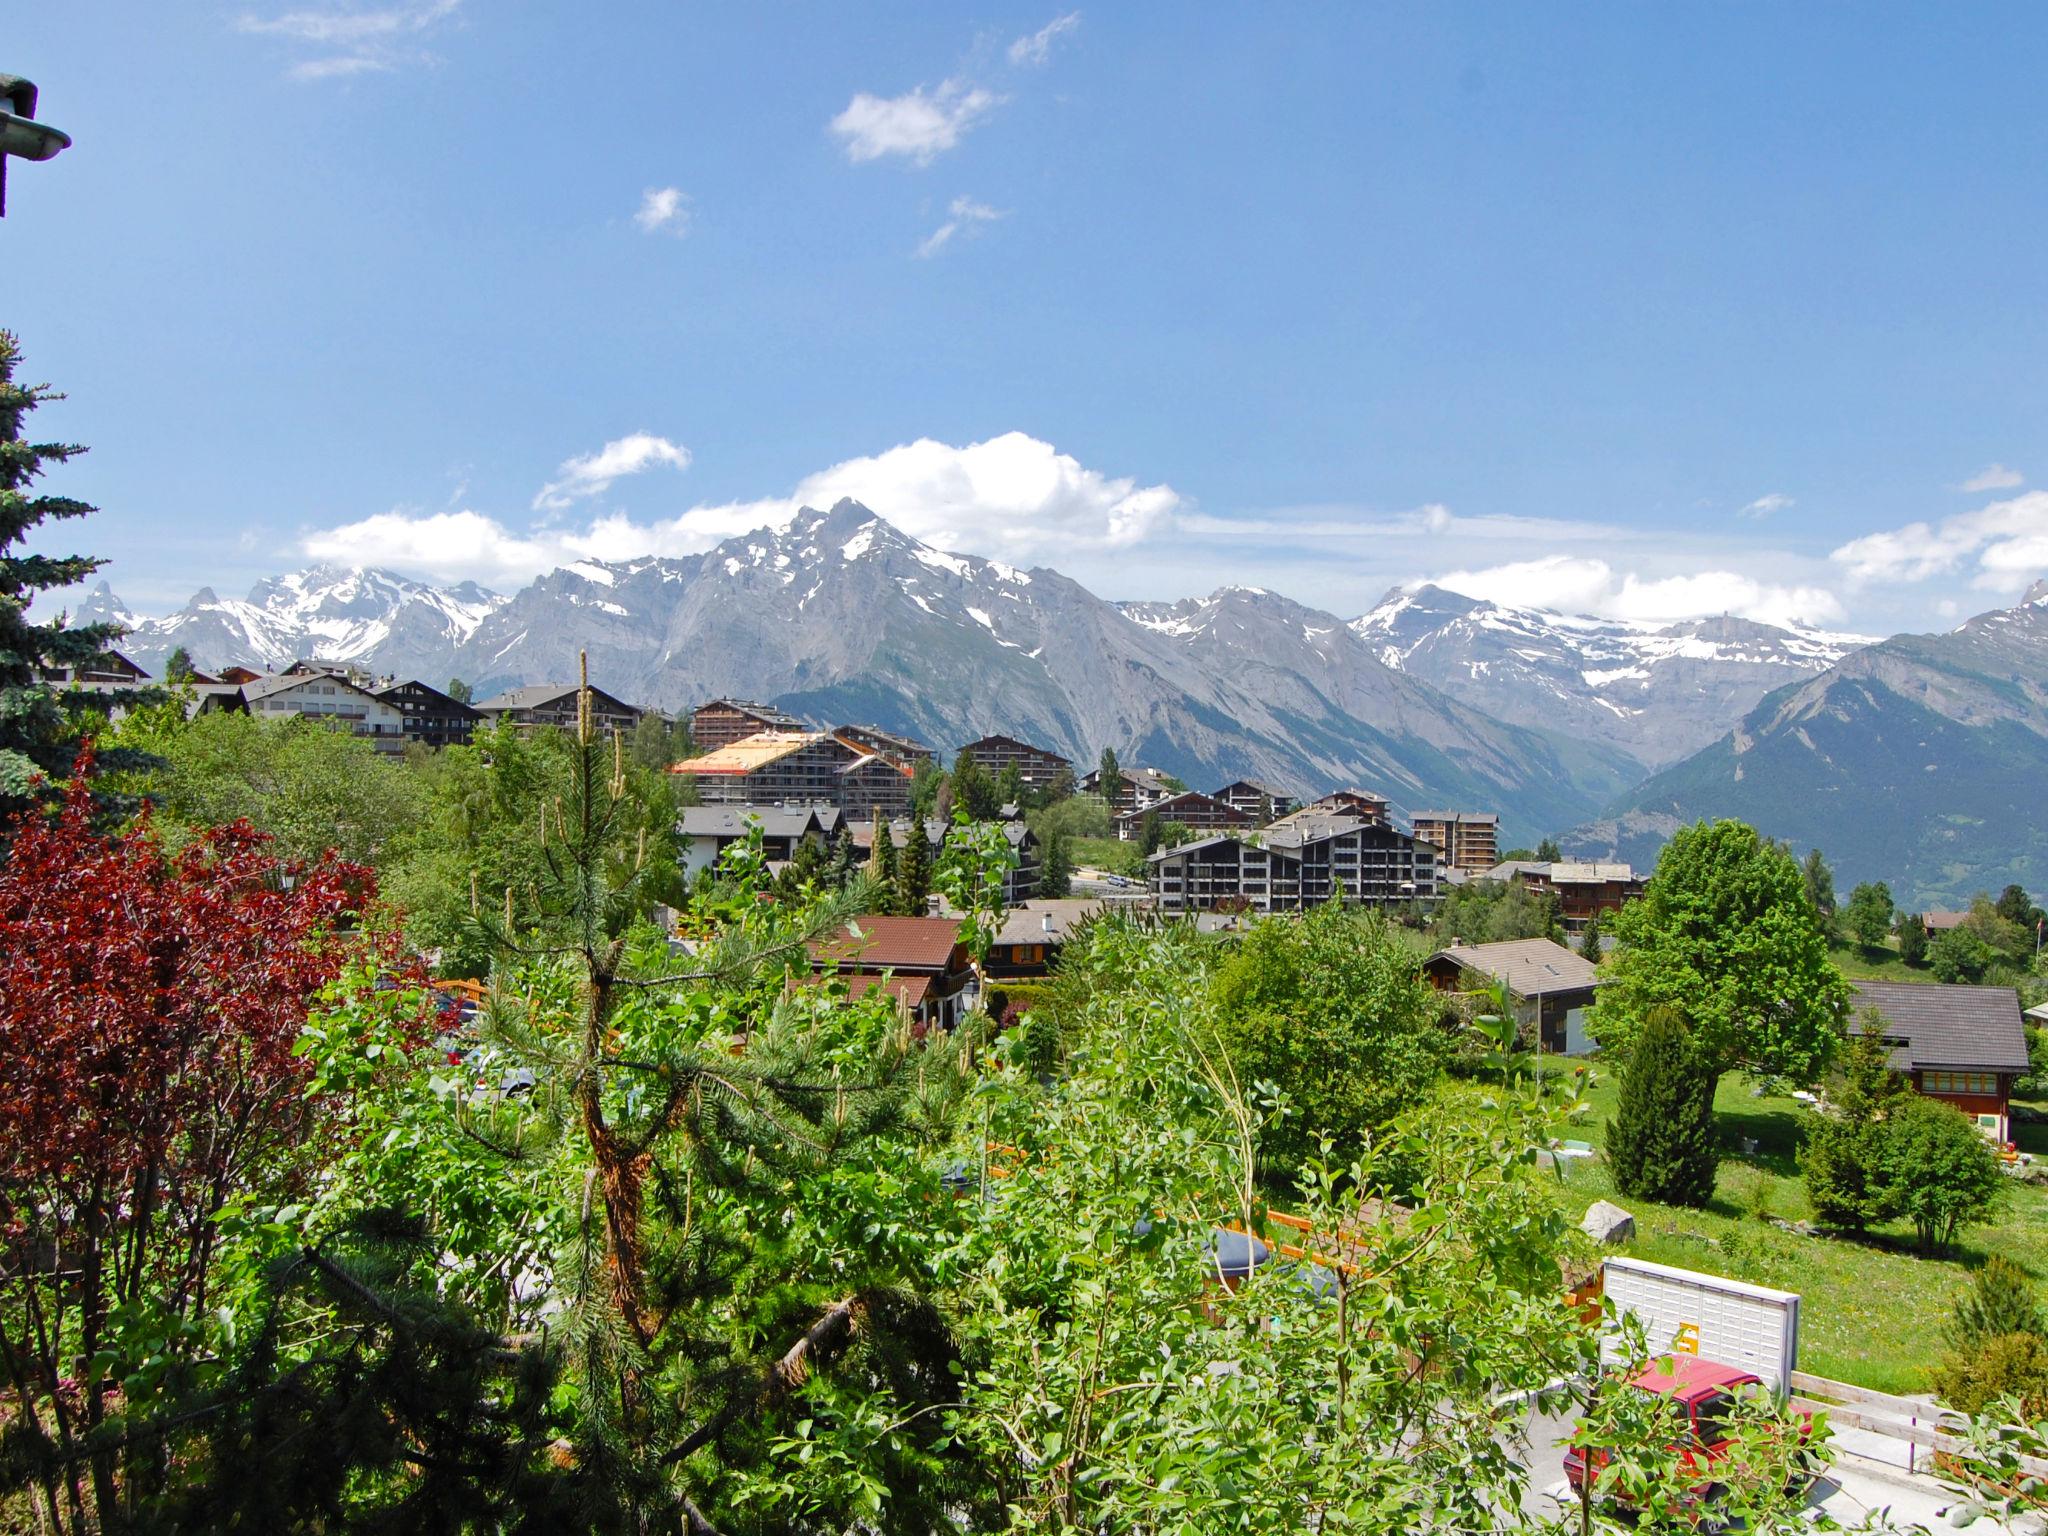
(1819, 881)
(1660, 1143)
(1839, 1160)
(914, 873)
(178, 666)
(460, 691)
(1151, 833)
(882, 862)
(1109, 778)
(1912, 939)
(1547, 851)
(974, 791)
(845, 863)
(1055, 866)
(1589, 939)
(41, 726)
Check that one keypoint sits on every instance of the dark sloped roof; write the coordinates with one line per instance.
(1529, 967)
(889, 944)
(1954, 1026)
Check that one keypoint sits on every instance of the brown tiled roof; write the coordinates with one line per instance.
(1937, 1026)
(909, 990)
(889, 944)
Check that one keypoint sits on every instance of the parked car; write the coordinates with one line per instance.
(1706, 1393)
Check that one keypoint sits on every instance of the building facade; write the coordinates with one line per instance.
(1583, 890)
(432, 718)
(330, 699)
(1036, 766)
(907, 750)
(1549, 987)
(554, 704)
(722, 722)
(1964, 1045)
(1467, 840)
(1262, 802)
(1202, 813)
(1293, 868)
(704, 832)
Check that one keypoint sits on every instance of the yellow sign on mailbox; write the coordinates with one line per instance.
(1687, 1340)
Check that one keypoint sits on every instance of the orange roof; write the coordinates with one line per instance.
(890, 944)
(749, 753)
(910, 991)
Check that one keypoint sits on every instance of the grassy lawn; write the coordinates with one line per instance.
(1109, 854)
(1860, 964)
(1872, 1311)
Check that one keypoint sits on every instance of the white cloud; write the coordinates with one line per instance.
(664, 208)
(1765, 505)
(1994, 477)
(1036, 47)
(1579, 584)
(353, 39)
(966, 214)
(918, 125)
(2007, 541)
(592, 474)
(1013, 497)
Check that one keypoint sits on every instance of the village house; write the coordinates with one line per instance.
(235, 673)
(722, 722)
(1583, 890)
(799, 768)
(1032, 933)
(1549, 987)
(554, 704)
(1199, 812)
(919, 961)
(1467, 840)
(1293, 867)
(329, 698)
(1263, 803)
(1038, 767)
(1138, 789)
(105, 673)
(1019, 884)
(432, 718)
(907, 750)
(1963, 1045)
(704, 832)
(1359, 803)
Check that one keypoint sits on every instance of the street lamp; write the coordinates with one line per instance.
(20, 134)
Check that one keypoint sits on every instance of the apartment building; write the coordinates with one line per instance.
(1467, 840)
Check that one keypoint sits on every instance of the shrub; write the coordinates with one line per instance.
(1840, 1160)
(1959, 955)
(1936, 1170)
(1912, 939)
(2000, 1300)
(2003, 1365)
(1660, 1143)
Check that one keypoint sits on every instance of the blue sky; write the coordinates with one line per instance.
(1637, 309)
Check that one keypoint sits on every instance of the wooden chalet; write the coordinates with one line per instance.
(1192, 809)
(1036, 766)
(1966, 1046)
(722, 722)
(432, 718)
(919, 961)
(1549, 986)
(554, 704)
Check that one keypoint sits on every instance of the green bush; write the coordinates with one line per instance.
(1936, 1169)
(2000, 1300)
(2003, 1365)
(1959, 956)
(1661, 1143)
(1840, 1160)
(1331, 1009)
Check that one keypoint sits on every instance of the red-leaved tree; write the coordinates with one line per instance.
(149, 1003)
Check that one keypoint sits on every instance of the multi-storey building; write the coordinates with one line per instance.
(1137, 788)
(1019, 884)
(1202, 813)
(907, 750)
(722, 722)
(1295, 867)
(799, 768)
(1261, 802)
(330, 699)
(431, 716)
(1036, 766)
(1583, 890)
(1467, 840)
(554, 704)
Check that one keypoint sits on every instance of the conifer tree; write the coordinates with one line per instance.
(1589, 939)
(178, 665)
(882, 862)
(41, 726)
(973, 790)
(1839, 1160)
(845, 863)
(2001, 1300)
(1660, 1143)
(1109, 779)
(1055, 866)
(1912, 939)
(914, 873)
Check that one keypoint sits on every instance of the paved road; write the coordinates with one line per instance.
(1854, 1488)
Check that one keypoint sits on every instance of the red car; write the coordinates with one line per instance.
(1704, 1392)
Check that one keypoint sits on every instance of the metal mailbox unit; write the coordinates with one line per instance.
(1730, 1321)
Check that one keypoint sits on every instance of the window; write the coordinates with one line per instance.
(1960, 1082)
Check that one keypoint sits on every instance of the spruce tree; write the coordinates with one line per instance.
(42, 727)
(882, 862)
(914, 873)
(1109, 778)
(178, 666)
(1660, 1143)
(2000, 1300)
(1055, 867)
(1589, 939)
(1912, 939)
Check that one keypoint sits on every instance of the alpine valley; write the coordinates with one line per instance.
(1430, 697)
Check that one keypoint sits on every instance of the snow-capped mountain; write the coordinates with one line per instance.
(377, 619)
(1655, 691)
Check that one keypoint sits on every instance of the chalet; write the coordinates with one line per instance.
(105, 672)
(1036, 766)
(1294, 867)
(1018, 885)
(554, 704)
(330, 699)
(722, 722)
(1583, 890)
(704, 832)
(1359, 803)
(1032, 933)
(1549, 986)
(236, 674)
(907, 750)
(432, 718)
(1467, 840)
(1138, 789)
(1938, 922)
(799, 767)
(919, 961)
(347, 671)
(1201, 813)
(1261, 802)
(1963, 1045)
